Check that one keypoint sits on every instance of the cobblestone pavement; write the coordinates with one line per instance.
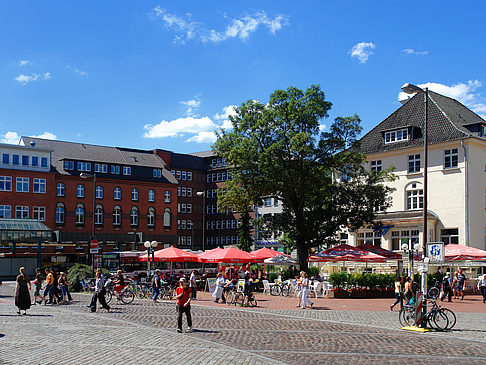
(144, 333)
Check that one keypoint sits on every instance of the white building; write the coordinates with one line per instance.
(456, 174)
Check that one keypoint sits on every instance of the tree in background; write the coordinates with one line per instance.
(277, 149)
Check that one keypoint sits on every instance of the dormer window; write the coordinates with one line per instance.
(397, 136)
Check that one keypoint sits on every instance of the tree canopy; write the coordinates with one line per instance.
(277, 149)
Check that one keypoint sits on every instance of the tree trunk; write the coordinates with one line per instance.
(303, 255)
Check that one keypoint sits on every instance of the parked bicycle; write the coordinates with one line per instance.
(438, 318)
(280, 289)
(247, 299)
(434, 291)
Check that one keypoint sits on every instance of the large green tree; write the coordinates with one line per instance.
(277, 149)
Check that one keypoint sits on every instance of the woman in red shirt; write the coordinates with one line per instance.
(183, 296)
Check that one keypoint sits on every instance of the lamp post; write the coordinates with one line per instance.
(410, 249)
(203, 195)
(85, 175)
(412, 89)
(150, 246)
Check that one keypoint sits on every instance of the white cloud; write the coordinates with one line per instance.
(24, 62)
(192, 105)
(362, 51)
(25, 79)
(466, 93)
(412, 51)
(10, 138)
(14, 138)
(79, 72)
(203, 137)
(227, 111)
(322, 127)
(187, 29)
(179, 127)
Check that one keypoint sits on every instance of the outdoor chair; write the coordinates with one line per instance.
(266, 287)
(315, 289)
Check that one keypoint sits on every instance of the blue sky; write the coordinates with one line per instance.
(165, 74)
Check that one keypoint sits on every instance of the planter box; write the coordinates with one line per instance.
(358, 294)
(338, 294)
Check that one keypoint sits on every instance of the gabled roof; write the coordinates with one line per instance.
(62, 150)
(446, 122)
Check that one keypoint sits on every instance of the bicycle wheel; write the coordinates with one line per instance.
(407, 316)
(433, 293)
(285, 290)
(275, 290)
(108, 296)
(240, 299)
(127, 296)
(440, 320)
(252, 302)
(451, 317)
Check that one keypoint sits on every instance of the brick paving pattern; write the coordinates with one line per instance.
(144, 333)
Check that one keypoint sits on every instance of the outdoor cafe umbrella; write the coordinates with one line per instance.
(390, 255)
(346, 252)
(454, 252)
(172, 254)
(208, 253)
(280, 260)
(229, 255)
(264, 253)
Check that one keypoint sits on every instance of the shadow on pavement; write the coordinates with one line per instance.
(204, 331)
(28, 315)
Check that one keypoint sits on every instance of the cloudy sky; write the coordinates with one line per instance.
(166, 74)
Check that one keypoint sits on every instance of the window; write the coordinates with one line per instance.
(415, 197)
(39, 186)
(79, 217)
(184, 175)
(365, 237)
(84, 166)
(151, 195)
(80, 191)
(5, 183)
(117, 193)
(21, 212)
(275, 202)
(346, 174)
(15, 159)
(35, 161)
(134, 216)
(43, 161)
(178, 175)
(134, 194)
(413, 164)
(23, 184)
(167, 218)
(6, 159)
(183, 224)
(208, 178)
(396, 136)
(117, 215)
(61, 189)
(68, 165)
(268, 202)
(25, 160)
(60, 213)
(167, 196)
(157, 173)
(39, 213)
(172, 172)
(451, 158)
(450, 235)
(101, 168)
(376, 165)
(189, 192)
(98, 215)
(223, 176)
(401, 237)
(151, 217)
(115, 170)
(183, 207)
(127, 170)
(218, 176)
(5, 211)
(99, 192)
(183, 191)
(189, 175)
(189, 208)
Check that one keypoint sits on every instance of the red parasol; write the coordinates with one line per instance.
(345, 252)
(172, 254)
(264, 253)
(229, 255)
(390, 255)
(455, 252)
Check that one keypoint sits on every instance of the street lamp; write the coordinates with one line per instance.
(412, 89)
(85, 175)
(150, 246)
(411, 248)
(203, 195)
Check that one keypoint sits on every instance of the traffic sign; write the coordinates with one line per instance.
(93, 244)
(93, 250)
(436, 252)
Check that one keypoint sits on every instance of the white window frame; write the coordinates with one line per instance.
(134, 194)
(5, 183)
(23, 183)
(39, 186)
(414, 197)
(80, 191)
(117, 214)
(117, 193)
(397, 136)
(451, 158)
(99, 192)
(39, 213)
(22, 212)
(61, 189)
(375, 165)
(5, 211)
(414, 163)
(127, 170)
(151, 195)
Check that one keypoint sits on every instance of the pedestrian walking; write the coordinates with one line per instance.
(38, 285)
(99, 293)
(156, 285)
(22, 292)
(64, 286)
(305, 290)
(446, 288)
(192, 282)
(455, 287)
(461, 281)
(49, 288)
(482, 287)
(398, 293)
(183, 296)
(407, 290)
(218, 288)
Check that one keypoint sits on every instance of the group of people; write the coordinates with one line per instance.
(225, 284)
(56, 289)
(403, 290)
(454, 286)
(302, 289)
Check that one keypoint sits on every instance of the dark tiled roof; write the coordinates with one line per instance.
(447, 120)
(86, 152)
(192, 162)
